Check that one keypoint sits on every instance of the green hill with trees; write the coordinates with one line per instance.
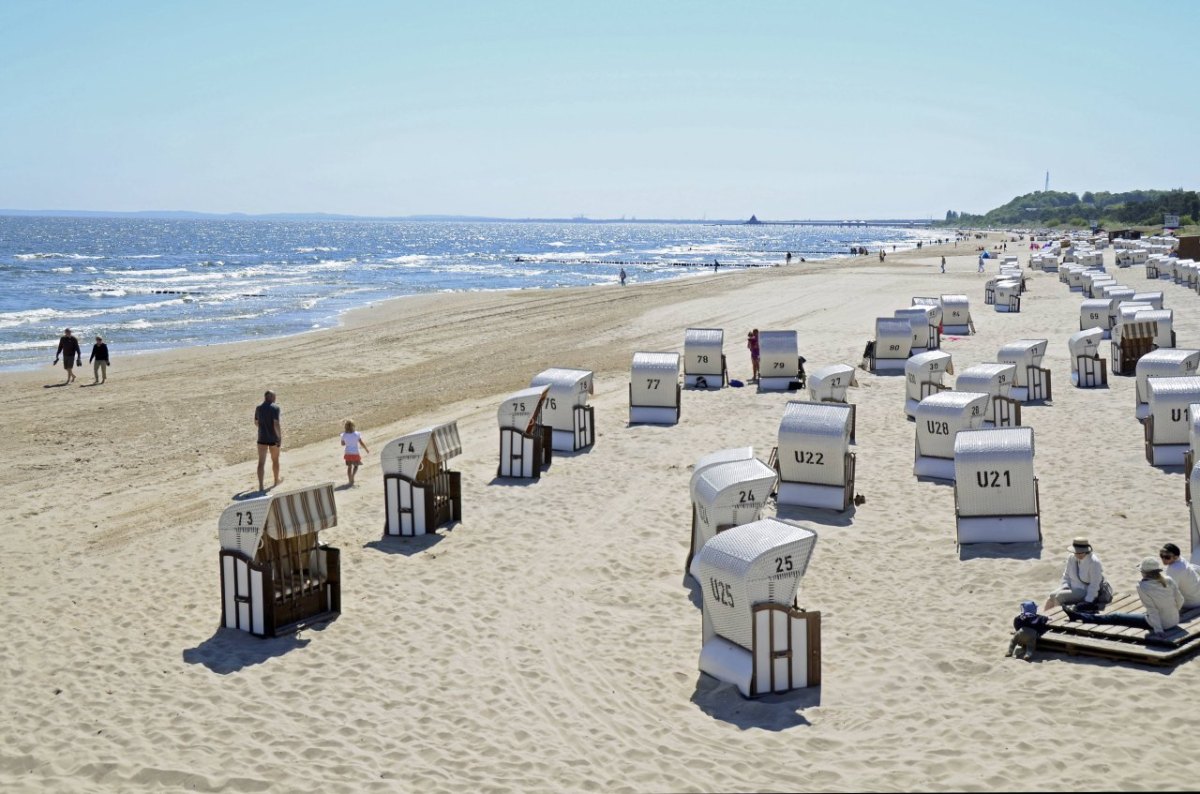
(1057, 208)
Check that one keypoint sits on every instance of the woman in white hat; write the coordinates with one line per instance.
(1160, 596)
(1082, 580)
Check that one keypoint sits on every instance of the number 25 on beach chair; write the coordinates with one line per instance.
(754, 636)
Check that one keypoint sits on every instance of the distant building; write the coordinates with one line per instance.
(753, 221)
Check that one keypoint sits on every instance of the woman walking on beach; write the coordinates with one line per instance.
(69, 352)
(99, 359)
(752, 344)
(352, 440)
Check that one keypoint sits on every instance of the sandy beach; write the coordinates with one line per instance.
(548, 642)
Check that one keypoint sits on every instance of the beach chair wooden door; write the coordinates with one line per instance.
(1093, 371)
(1038, 379)
(786, 648)
(405, 505)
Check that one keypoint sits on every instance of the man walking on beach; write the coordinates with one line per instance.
(270, 437)
(69, 352)
(943, 264)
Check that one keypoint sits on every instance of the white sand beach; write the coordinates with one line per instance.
(548, 642)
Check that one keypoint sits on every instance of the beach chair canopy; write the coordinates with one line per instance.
(731, 493)
(288, 514)
(813, 440)
(522, 410)
(406, 455)
(717, 458)
(757, 563)
(1023, 353)
(829, 383)
(934, 302)
(893, 337)
(1084, 343)
(1155, 299)
(568, 389)
(994, 380)
(1166, 362)
(941, 416)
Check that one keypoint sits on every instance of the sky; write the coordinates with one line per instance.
(642, 109)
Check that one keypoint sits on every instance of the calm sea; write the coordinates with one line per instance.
(155, 284)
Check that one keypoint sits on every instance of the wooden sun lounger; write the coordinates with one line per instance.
(1122, 643)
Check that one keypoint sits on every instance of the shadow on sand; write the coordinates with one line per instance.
(229, 650)
(769, 713)
(408, 546)
(815, 515)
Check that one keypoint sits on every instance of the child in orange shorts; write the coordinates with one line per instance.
(352, 440)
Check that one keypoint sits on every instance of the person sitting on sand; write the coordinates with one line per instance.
(1082, 580)
(1183, 573)
(1027, 627)
(1160, 596)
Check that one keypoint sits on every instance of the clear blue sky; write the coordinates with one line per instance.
(652, 109)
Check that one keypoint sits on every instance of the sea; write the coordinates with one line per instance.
(152, 284)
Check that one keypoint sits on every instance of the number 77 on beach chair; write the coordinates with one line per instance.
(654, 393)
(276, 576)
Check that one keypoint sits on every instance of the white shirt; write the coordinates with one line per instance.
(1188, 578)
(1162, 603)
(1085, 574)
(351, 442)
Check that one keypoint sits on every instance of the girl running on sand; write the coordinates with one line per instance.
(352, 440)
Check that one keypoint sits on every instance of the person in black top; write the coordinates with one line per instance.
(99, 359)
(68, 350)
(270, 437)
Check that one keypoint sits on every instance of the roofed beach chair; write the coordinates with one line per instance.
(892, 345)
(1168, 425)
(923, 375)
(940, 417)
(1032, 382)
(1163, 363)
(995, 492)
(726, 495)
(654, 389)
(778, 360)
(704, 358)
(816, 466)
(526, 443)
(566, 410)
(754, 636)
(420, 493)
(276, 575)
(996, 381)
(956, 315)
(1088, 367)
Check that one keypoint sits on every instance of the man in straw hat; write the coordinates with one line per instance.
(1082, 580)
(1160, 596)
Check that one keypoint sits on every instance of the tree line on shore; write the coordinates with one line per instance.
(1059, 208)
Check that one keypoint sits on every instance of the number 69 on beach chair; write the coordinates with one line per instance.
(704, 358)
(754, 636)
(419, 493)
(654, 389)
(526, 444)
(276, 576)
